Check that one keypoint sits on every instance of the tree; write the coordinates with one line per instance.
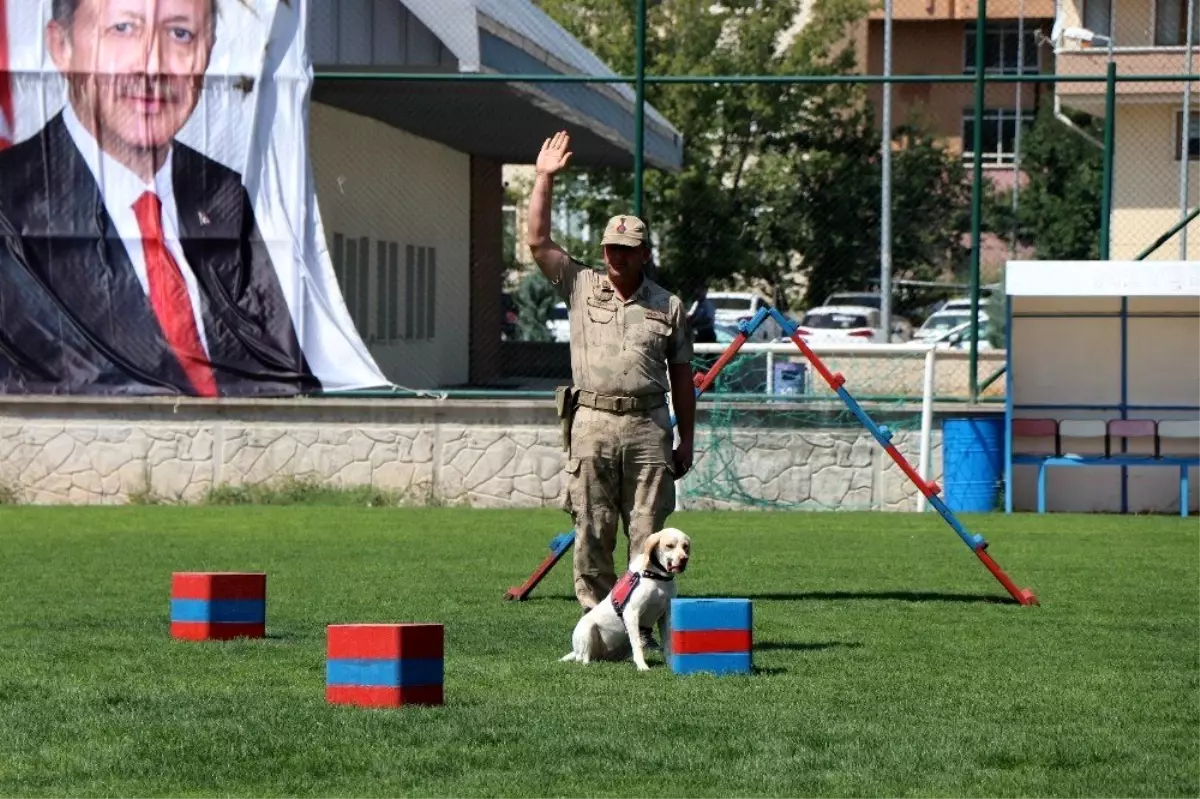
(1059, 209)
(534, 298)
(702, 217)
(828, 206)
(776, 177)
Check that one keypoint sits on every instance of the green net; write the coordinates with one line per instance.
(771, 434)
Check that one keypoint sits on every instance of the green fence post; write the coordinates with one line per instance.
(639, 112)
(1106, 188)
(977, 195)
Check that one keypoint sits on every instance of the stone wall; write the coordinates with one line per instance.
(493, 453)
(817, 468)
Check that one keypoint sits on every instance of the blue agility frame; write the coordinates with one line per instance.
(836, 381)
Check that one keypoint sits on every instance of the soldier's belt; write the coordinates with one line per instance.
(605, 402)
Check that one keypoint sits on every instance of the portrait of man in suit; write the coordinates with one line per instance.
(131, 263)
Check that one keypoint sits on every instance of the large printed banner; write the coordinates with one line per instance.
(159, 231)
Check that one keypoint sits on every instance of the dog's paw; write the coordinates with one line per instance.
(643, 667)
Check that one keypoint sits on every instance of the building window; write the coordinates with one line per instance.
(1001, 48)
(387, 290)
(1170, 23)
(420, 292)
(404, 295)
(351, 265)
(1193, 134)
(1097, 16)
(999, 134)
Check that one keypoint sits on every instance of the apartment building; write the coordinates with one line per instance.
(938, 37)
(1156, 171)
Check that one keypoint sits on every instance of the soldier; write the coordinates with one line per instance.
(630, 345)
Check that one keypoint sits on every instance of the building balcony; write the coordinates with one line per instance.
(1129, 61)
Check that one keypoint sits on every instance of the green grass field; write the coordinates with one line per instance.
(890, 662)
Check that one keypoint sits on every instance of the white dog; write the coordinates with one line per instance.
(610, 631)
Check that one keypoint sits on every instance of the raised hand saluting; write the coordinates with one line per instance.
(554, 155)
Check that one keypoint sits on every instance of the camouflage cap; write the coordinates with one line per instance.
(625, 230)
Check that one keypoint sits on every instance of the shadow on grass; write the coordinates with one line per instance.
(836, 596)
(790, 646)
(542, 598)
(901, 596)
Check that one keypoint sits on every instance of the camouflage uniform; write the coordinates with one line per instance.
(619, 464)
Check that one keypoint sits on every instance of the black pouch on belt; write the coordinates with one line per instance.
(564, 403)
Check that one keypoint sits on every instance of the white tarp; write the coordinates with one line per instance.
(159, 233)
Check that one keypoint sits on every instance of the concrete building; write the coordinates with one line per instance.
(408, 172)
(938, 37)
(1149, 38)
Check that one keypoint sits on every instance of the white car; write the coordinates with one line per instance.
(964, 303)
(558, 323)
(960, 304)
(951, 328)
(841, 323)
(731, 307)
(902, 329)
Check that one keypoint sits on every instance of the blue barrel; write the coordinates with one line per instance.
(973, 463)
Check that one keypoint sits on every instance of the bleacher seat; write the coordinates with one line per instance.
(1109, 430)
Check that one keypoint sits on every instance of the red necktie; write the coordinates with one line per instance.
(169, 297)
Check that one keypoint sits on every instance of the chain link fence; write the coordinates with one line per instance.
(1056, 133)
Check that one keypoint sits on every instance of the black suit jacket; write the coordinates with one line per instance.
(74, 318)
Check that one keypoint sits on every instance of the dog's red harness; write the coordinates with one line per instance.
(629, 581)
(623, 590)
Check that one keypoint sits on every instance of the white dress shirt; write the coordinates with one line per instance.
(120, 189)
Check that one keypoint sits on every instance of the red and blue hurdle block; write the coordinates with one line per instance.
(208, 606)
(711, 635)
(385, 665)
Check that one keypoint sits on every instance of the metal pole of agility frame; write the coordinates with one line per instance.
(977, 197)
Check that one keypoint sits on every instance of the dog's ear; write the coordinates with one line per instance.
(651, 543)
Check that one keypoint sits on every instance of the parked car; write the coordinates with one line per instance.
(731, 307)
(902, 327)
(964, 303)
(558, 323)
(951, 328)
(960, 304)
(841, 323)
(725, 332)
(868, 299)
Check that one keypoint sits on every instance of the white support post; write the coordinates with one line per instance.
(926, 424)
